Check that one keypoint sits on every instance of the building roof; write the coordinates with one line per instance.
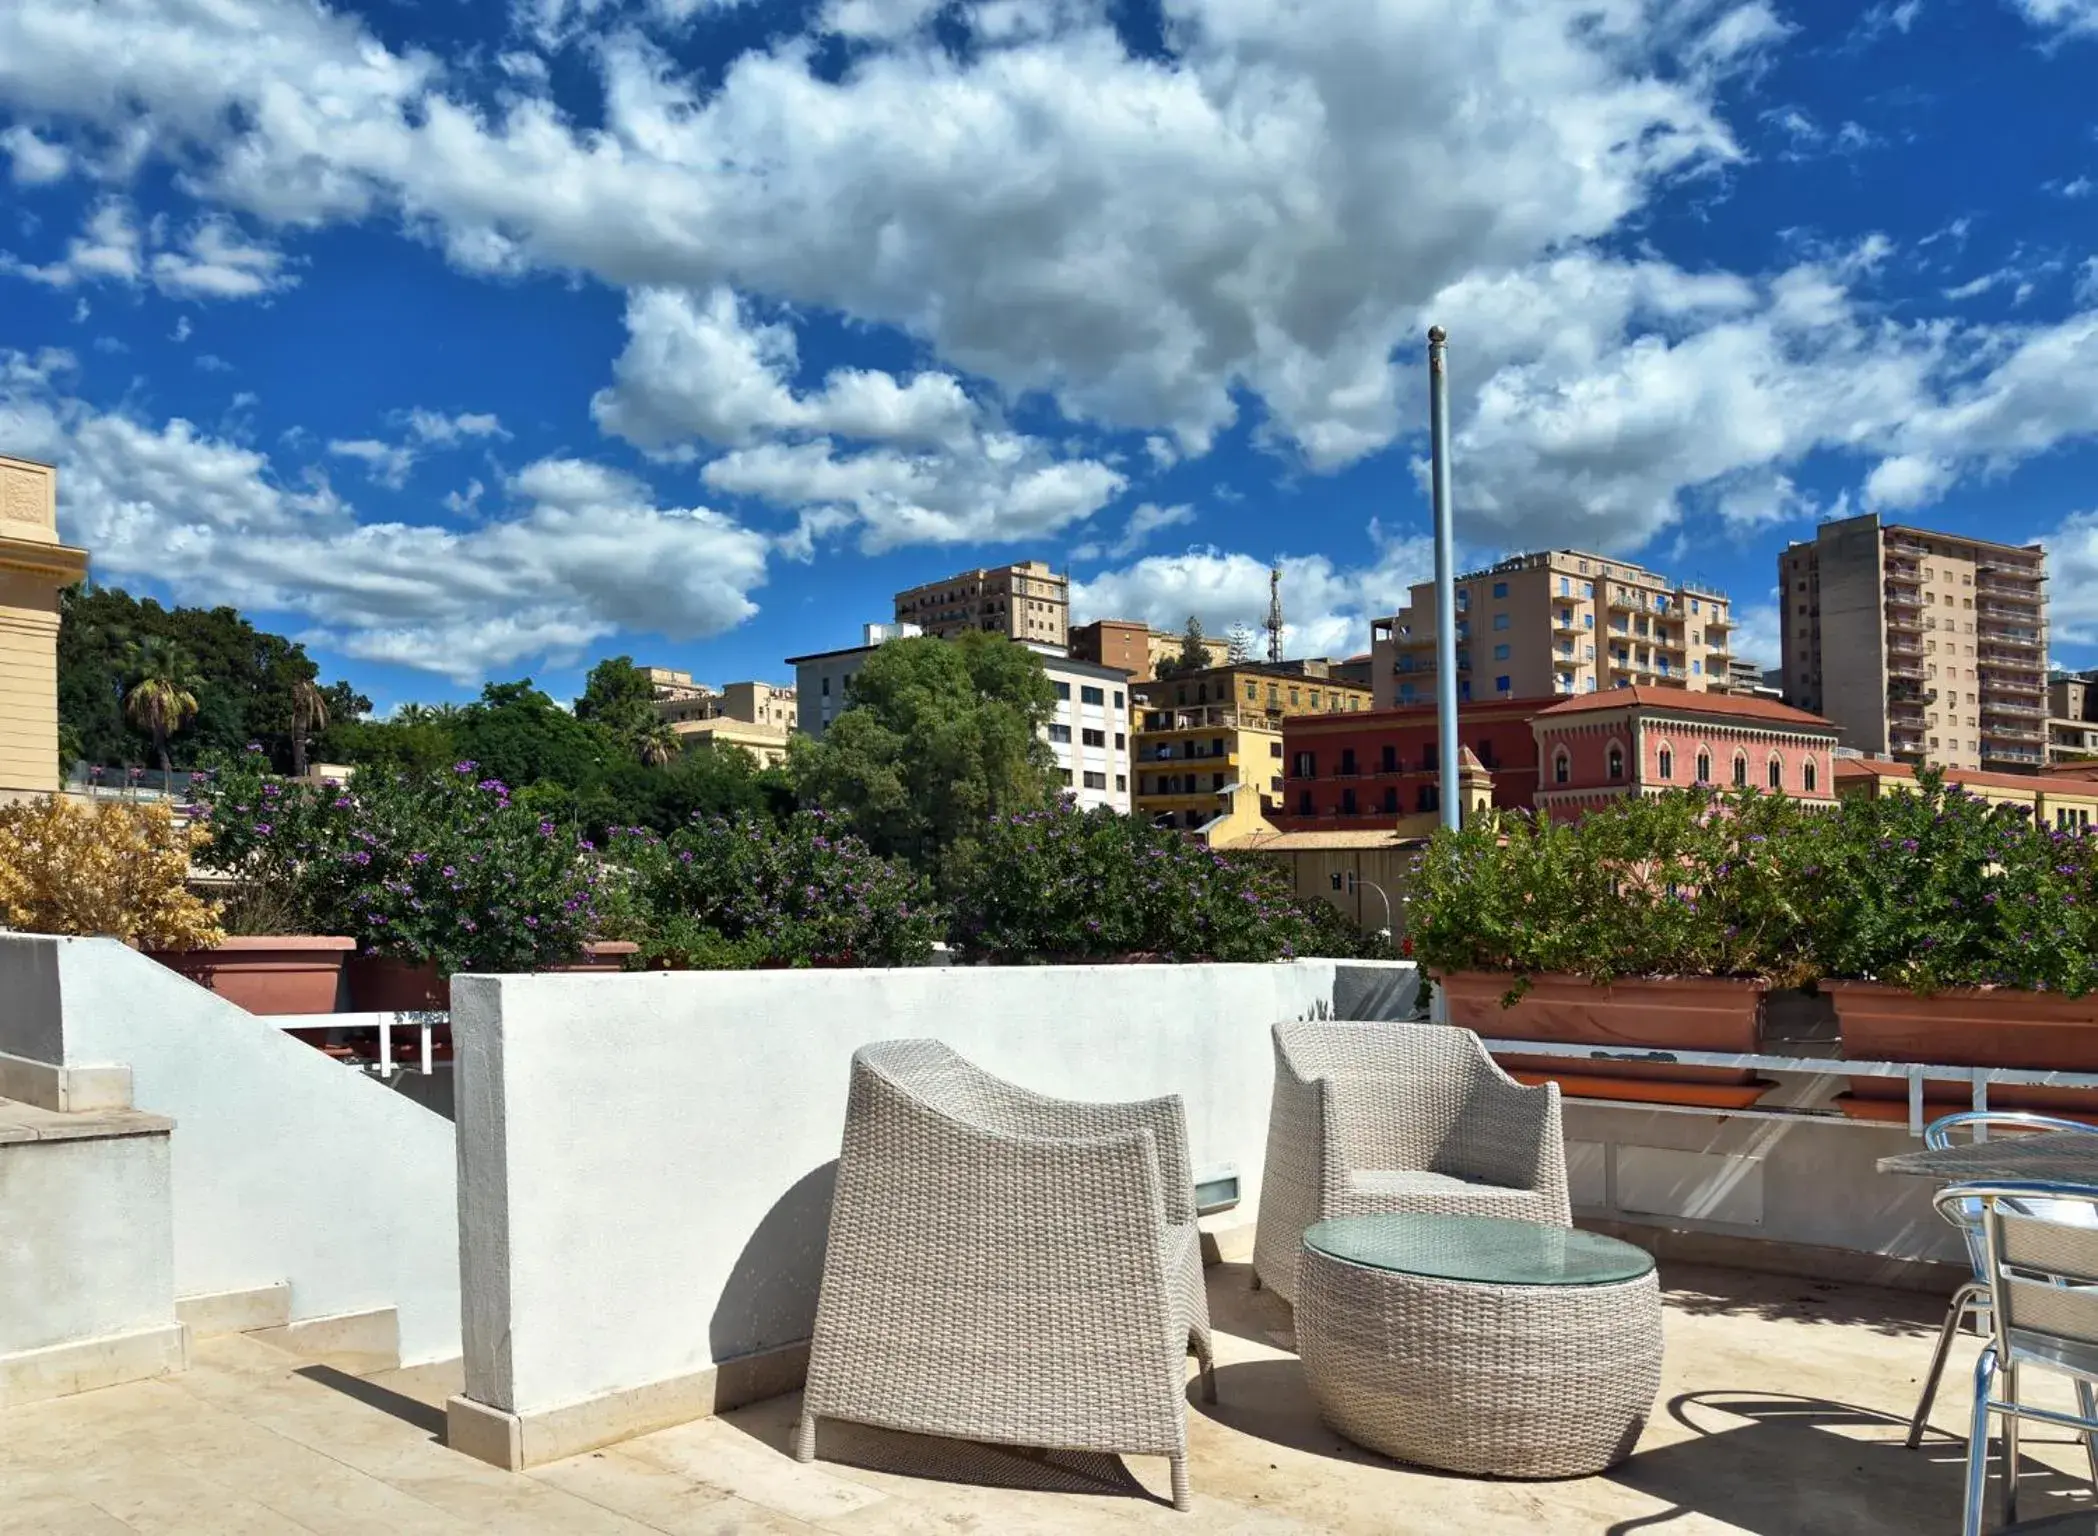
(849, 650)
(1057, 661)
(1739, 706)
(1879, 768)
(1328, 842)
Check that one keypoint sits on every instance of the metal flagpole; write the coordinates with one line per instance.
(1445, 576)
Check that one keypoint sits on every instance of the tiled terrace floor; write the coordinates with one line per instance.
(1780, 1415)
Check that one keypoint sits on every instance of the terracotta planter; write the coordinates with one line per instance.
(1969, 1027)
(1690, 1013)
(268, 974)
(606, 955)
(381, 984)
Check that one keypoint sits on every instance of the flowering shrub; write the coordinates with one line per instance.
(441, 868)
(1067, 884)
(1681, 884)
(115, 869)
(1936, 888)
(730, 894)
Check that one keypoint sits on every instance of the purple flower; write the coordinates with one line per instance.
(418, 858)
(361, 857)
(262, 829)
(449, 872)
(254, 746)
(467, 766)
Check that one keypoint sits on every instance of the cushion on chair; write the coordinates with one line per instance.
(1416, 1183)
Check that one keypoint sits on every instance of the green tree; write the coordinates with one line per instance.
(519, 735)
(309, 713)
(617, 696)
(937, 737)
(162, 697)
(1193, 655)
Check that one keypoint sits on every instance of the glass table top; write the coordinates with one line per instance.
(1483, 1249)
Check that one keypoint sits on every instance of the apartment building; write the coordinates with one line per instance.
(1203, 736)
(1924, 647)
(1136, 648)
(1382, 768)
(1557, 622)
(669, 683)
(34, 568)
(1028, 602)
(2067, 803)
(1088, 733)
(680, 701)
(2072, 716)
(766, 744)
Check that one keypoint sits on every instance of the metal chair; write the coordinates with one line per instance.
(2040, 1273)
(1972, 1299)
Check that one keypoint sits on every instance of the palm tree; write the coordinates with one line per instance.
(657, 744)
(163, 694)
(309, 713)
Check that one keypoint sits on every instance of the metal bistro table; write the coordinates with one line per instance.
(1480, 1345)
(2059, 1157)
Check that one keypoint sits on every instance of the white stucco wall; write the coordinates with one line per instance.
(287, 1166)
(85, 1250)
(645, 1160)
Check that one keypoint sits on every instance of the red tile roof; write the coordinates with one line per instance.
(1740, 706)
(1878, 768)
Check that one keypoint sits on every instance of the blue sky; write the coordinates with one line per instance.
(470, 340)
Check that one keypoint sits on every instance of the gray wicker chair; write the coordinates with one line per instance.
(1006, 1267)
(1376, 1119)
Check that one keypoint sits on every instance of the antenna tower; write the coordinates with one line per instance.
(1275, 615)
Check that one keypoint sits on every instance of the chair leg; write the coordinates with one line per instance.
(1256, 1279)
(2087, 1405)
(1205, 1357)
(1978, 1443)
(1182, 1501)
(1955, 1314)
(2010, 1447)
(805, 1438)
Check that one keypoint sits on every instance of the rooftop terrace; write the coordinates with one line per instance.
(1781, 1414)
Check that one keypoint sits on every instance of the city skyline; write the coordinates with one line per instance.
(440, 371)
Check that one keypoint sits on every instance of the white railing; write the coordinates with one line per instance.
(1978, 1079)
(384, 1064)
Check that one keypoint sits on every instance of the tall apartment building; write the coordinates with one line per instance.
(1925, 647)
(1557, 622)
(2072, 716)
(1204, 736)
(1029, 602)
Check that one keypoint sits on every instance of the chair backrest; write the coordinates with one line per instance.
(2041, 1270)
(1973, 1125)
(1340, 1050)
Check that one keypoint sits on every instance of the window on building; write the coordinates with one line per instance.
(1704, 767)
(1464, 690)
(1405, 693)
(1427, 756)
(1664, 764)
(1500, 653)
(1216, 781)
(1391, 799)
(1503, 685)
(1347, 760)
(1274, 749)
(1067, 778)
(1500, 589)
(1777, 773)
(1305, 765)
(1121, 741)
(1565, 586)
(1120, 705)
(1806, 776)
(1096, 781)
(1293, 698)
(1562, 768)
(1063, 691)
(1059, 733)
(1500, 621)
(1693, 605)
(1121, 782)
(826, 687)
(1429, 798)
(1390, 762)
(1740, 770)
(1093, 738)
(1347, 802)
(1616, 761)
(1304, 804)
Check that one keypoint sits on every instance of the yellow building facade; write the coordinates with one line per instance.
(1203, 735)
(34, 568)
(2052, 800)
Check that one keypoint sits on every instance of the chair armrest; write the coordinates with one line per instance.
(1165, 1120)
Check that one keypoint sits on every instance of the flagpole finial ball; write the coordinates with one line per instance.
(1437, 335)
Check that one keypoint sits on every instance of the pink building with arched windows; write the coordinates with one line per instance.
(1628, 741)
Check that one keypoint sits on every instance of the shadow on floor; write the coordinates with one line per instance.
(1704, 1292)
(408, 1410)
(1269, 1400)
(1780, 1465)
(966, 1462)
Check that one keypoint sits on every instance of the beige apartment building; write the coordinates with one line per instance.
(1557, 622)
(2072, 717)
(1028, 602)
(1924, 647)
(34, 568)
(680, 700)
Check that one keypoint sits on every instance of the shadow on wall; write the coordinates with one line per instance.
(1375, 992)
(770, 1297)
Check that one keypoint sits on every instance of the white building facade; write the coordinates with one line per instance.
(1089, 733)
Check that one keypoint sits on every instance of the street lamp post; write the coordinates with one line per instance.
(1445, 574)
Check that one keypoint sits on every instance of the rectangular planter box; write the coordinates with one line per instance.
(275, 974)
(1692, 1013)
(1969, 1027)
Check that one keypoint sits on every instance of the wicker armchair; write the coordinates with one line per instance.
(1375, 1119)
(1006, 1267)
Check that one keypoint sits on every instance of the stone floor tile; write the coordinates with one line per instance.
(661, 1498)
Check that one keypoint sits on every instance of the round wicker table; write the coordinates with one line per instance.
(1476, 1345)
